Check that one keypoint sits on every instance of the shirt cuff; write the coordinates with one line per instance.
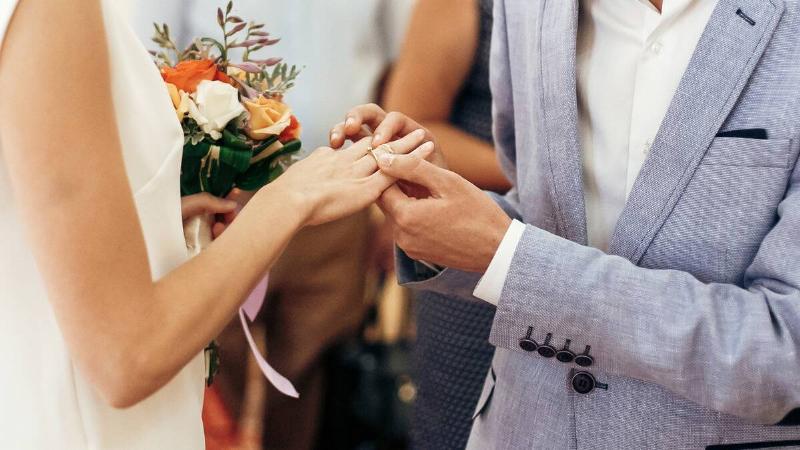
(490, 287)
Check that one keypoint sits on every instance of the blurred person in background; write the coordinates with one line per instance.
(316, 292)
(442, 80)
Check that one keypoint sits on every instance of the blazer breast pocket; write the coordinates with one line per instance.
(745, 152)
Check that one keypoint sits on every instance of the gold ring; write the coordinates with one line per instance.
(383, 148)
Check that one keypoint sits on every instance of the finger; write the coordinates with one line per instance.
(391, 201)
(393, 125)
(408, 143)
(359, 123)
(357, 150)
(205, 203)
(241, 198)
(217, 229)
(368, 164)
(338, 137)
(370, 115)
(414, 168)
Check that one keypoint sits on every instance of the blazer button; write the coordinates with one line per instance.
(546, 350)
(583, 382)
(565, 355)
(584, 359)
(527, 343)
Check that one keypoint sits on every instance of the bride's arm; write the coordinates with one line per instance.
(127, 334)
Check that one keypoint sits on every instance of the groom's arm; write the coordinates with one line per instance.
(732, 349)
(450, 281)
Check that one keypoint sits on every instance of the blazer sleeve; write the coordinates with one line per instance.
(732, 349)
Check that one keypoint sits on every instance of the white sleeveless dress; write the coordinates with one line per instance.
(45, 402)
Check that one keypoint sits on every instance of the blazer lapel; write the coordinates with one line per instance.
(727, 53)
(559, 110)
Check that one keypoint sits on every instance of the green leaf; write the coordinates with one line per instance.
(238, 159)
(288, 148)
(255, 177)
(265, 171)
(217, 177)
(214, 42)
(237, 142)
(264, 145)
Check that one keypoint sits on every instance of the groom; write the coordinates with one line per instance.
(646, 265)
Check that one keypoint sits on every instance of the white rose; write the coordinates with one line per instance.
(215, 104)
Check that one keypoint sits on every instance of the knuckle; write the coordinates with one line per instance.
(451, 177)
(394, 116)
(404, 218)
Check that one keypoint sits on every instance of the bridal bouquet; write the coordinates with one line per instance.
(238, 132)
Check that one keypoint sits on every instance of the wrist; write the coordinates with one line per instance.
(289, 204)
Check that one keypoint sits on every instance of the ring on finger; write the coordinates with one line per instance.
(381, 149)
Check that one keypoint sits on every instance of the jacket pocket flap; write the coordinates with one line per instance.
(732, 151)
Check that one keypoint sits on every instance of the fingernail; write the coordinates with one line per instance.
(334, 136)
(385, 159)
(426, 147)
(350, 121)
(420, 133)
(230, 204)
(376, 138)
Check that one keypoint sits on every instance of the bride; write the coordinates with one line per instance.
(102, 319)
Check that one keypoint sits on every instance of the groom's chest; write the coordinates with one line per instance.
(702, 203)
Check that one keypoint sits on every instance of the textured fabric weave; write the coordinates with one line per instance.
(451, 357)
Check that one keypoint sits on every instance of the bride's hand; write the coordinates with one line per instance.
(331, 184)
(205, 203)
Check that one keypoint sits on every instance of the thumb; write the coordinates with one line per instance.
(414, 168)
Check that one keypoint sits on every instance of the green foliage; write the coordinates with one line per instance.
(206, 169)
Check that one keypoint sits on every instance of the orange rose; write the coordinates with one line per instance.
(188, 74)
(219, 76)
(291, 132)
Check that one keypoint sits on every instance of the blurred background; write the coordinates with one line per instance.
(375, 367)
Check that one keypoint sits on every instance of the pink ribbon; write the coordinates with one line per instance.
(250, 309)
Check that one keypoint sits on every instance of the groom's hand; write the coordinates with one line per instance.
(457, 226)
(371, 119)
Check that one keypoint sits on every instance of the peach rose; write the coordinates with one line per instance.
(177, 103)
(267, 117)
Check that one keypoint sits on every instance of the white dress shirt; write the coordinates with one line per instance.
(630, 60)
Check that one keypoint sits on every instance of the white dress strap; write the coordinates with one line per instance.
(6, 11)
